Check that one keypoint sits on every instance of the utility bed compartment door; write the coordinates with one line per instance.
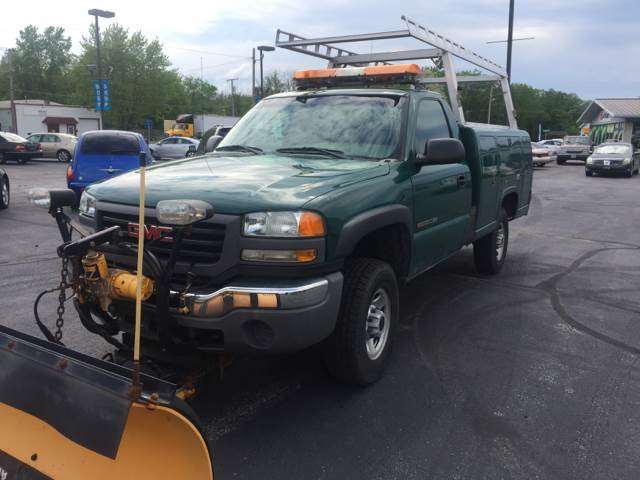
(489, 194)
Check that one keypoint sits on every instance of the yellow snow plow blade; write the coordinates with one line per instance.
(157, 443)
(67, 416)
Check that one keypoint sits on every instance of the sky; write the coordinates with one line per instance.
(588, 47)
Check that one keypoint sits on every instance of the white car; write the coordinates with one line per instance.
(174, 148)
(55, 145)
(542, 154)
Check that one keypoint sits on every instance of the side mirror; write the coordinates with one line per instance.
(442, 151)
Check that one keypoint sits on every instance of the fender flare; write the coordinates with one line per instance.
(358, 227)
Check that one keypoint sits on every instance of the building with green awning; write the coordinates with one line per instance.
(613, 119)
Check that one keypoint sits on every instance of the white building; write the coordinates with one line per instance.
(36, 116)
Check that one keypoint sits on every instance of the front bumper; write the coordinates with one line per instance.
(305, 313)
(615, 168)
(572, 156)
(538, 161)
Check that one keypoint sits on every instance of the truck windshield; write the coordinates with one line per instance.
(359, 126)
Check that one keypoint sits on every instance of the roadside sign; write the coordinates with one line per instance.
(96, 94)
(102, 102)
(106, 96)
(148, 123)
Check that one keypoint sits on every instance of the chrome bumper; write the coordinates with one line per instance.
(283, 296)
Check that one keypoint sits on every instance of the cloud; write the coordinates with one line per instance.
(582, 46)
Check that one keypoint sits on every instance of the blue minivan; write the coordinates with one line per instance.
(103, 154)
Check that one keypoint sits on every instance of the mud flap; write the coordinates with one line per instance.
(65, 415)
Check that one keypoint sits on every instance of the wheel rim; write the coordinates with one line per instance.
(500, 237)
(378, 323)
(63, 156)
(5, 193)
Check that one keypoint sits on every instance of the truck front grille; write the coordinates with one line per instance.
(202, 245)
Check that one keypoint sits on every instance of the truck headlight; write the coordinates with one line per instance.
(589, 160)
(87, 205)
(183, 212)
(283, 224)
(626, 161)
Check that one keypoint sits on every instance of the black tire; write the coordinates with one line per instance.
(351, 353)
(2, 159)
(628, 173)
(22, 161)
(588, 173)
(63, 156)
(486, 254)
(561, 162)
(5, 193)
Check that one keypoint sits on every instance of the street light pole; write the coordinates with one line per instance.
(104, 14)
(262, 49)
(253, 77)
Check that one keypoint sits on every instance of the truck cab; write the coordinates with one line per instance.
(326, 201)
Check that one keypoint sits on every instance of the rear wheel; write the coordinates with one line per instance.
(4, 193)
(490, 252)
(357, 352)
(588, 173)
(63, 156)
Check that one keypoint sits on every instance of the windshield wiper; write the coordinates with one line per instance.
(323, 151)
(240, 148)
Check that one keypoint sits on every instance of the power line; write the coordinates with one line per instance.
(207, 52)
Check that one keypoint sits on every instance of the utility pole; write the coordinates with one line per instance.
(202, 79)
(233, 98)
(510, 39)
(12, 93)
(104, 14)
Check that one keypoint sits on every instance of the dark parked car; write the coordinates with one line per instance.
(4, 190)
(104, 154)
(14, 147)
(613, 158)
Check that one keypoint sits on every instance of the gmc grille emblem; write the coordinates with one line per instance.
(151, 232)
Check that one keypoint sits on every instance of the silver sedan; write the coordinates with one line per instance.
(174, 148)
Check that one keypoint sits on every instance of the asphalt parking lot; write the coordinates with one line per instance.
(530, 374)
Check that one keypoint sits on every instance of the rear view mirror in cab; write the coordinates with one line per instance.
(442, 151)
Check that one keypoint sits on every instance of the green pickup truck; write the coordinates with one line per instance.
(326, 202)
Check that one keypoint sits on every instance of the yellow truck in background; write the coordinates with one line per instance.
(181, 126)
(194, 125)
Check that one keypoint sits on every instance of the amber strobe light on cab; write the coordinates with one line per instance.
(332, 76)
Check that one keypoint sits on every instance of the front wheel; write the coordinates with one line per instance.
(490, 252)
(63, 156)
(357, 352)
(4, 193)
(588, 173)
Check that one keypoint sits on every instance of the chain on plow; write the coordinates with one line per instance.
(62, 288)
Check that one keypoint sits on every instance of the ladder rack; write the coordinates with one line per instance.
(439, 48)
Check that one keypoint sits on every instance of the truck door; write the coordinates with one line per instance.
(441, 194)
(489, 186)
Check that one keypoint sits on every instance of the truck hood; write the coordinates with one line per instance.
(238, 184)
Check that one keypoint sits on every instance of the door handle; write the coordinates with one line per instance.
(462, 180)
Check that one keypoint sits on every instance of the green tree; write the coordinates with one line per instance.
(41, 64)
